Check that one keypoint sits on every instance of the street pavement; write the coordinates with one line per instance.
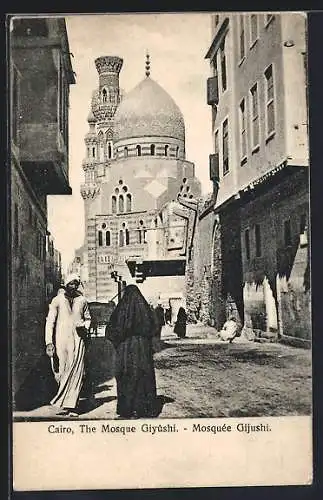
(201, 376)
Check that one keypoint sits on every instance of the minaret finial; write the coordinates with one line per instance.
(147, 64)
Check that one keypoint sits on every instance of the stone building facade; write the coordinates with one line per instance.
(40, 76)
(53, 268)
(259, 216)
(135, 168)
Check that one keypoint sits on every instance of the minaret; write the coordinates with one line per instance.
(90, 188)
(106, 98)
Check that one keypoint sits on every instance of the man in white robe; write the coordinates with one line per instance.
(67, 325)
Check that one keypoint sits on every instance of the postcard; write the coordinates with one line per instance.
(160, 292)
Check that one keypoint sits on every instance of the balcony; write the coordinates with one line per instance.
(44, 78)
(214, 167)
(212, 91)
(43, 156)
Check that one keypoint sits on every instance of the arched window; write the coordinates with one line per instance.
(109, 150)
(121, 203)
(114, 204)
(152, 149)
(100, 239)
(138, 149)
(125, 152)
(128, 202)
(140, 231)
(101, 146)
(177, 151)
(121, 238)
(127, 236)
(108, 238)
(104, 95)
(166, 150)
(93, 151)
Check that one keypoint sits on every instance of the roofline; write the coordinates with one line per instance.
(217, 38)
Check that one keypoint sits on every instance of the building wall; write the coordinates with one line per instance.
(269, 292)
(267, 50)
(40, 74)
(276, 287)
(295, 85)
(28, 299)
(224, 108)
(199, 285)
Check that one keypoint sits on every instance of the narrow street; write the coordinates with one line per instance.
(203, 377)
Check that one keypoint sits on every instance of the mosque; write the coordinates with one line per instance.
(135, 168)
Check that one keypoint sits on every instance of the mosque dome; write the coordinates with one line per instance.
(148, 110)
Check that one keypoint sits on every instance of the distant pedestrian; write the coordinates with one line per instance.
(180, 325)
(160, 315)
(168, 315)
(65, 337)
(131, 329)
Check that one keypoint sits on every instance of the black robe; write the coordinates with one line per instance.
(180, 325)
(131, 328)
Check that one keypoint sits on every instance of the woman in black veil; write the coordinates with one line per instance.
(131, 329)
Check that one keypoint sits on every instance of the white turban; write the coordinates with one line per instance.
(71, 277)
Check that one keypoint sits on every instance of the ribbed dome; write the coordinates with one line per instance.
(148, 110)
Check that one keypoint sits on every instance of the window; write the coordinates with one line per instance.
(127, 236)
(104, 95)
(109, 150)
(121, 203)
(216, 143)
(100, 238)
(138, 149)
(247, 243)
(287, 233)
(93, 152)
(270, 98)
(121, 238)
(225, 146)
(255, 117)
(152, 149)
(253, 29)
(177, 151)
(242, 37)
(114, 204)
(141, 232)
(125, 152)
(166, 150)
(223, 66)
(128, 202)
(108, 238)
(258, 240)
(243, 131)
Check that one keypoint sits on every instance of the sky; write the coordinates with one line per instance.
(177, 44)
